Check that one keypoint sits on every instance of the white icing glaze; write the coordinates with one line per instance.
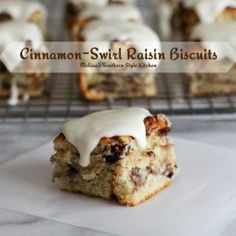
(99, 31)
(14, 94)
(90, 3)
(141, 36)
(98, 3)
(114, 12)
(207, 10)
(212, 34)
(20, 9)
(86, 132)
(164, 13)
(26, 97)
(19, 32)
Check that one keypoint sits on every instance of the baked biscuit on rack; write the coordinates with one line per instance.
(18, 79)
(220, 82)
(100, 84)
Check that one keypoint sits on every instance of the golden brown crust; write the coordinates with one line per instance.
(145, 198)
(159, 123)
(231, 11)
(87, 94)
(98, 95)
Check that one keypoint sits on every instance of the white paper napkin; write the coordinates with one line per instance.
(200, 202)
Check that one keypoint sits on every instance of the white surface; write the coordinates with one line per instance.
(18, 224)
(201, 201)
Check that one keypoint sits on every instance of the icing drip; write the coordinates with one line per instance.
(26, 97)
(17, 33)
(211, 34)
(164, 12)
(86, 132)
(114, 12)
(13, 100)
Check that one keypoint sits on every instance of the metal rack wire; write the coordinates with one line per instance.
(63, 100)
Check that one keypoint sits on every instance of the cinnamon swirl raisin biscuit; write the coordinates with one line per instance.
(223, 82)
(108, 83)
(17, 79)
(131, 158)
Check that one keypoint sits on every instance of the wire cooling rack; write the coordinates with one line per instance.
(62, 98)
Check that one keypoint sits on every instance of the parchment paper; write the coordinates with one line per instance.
(201, 201)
